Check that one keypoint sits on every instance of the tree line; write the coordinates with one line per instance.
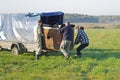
(80, 18)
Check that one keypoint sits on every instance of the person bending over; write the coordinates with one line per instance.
(81, 38)
(67, 32)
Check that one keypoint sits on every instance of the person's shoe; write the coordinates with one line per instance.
(36, 57)
(78, 55)
(75, 55)
(67, 57)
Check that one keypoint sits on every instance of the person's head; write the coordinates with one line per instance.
(39, 22)
(67, 23)
(81, 28)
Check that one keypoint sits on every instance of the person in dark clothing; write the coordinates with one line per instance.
(81, 38)
(67, 32)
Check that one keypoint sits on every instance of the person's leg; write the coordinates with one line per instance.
(68, 46)
(82, 46)
(38, 49)
(63, 48)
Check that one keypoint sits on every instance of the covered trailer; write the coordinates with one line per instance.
(16, 31)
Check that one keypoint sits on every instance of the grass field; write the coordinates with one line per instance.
(100, 25)
(100, 61)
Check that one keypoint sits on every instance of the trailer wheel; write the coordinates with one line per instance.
(15, 50)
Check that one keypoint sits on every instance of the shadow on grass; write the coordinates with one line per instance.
(53, 53)
(101, 53)
(90, 53)
(48, 53)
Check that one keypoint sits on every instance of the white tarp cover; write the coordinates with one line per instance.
(17, 27)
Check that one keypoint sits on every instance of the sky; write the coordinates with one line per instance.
(88, 7)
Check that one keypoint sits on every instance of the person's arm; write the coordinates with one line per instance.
(61, 30)
(35, 34)
(41, 31)
(76, 39)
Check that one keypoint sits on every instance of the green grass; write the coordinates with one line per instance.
(100, 61)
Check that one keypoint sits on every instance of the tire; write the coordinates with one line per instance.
(15, 50)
